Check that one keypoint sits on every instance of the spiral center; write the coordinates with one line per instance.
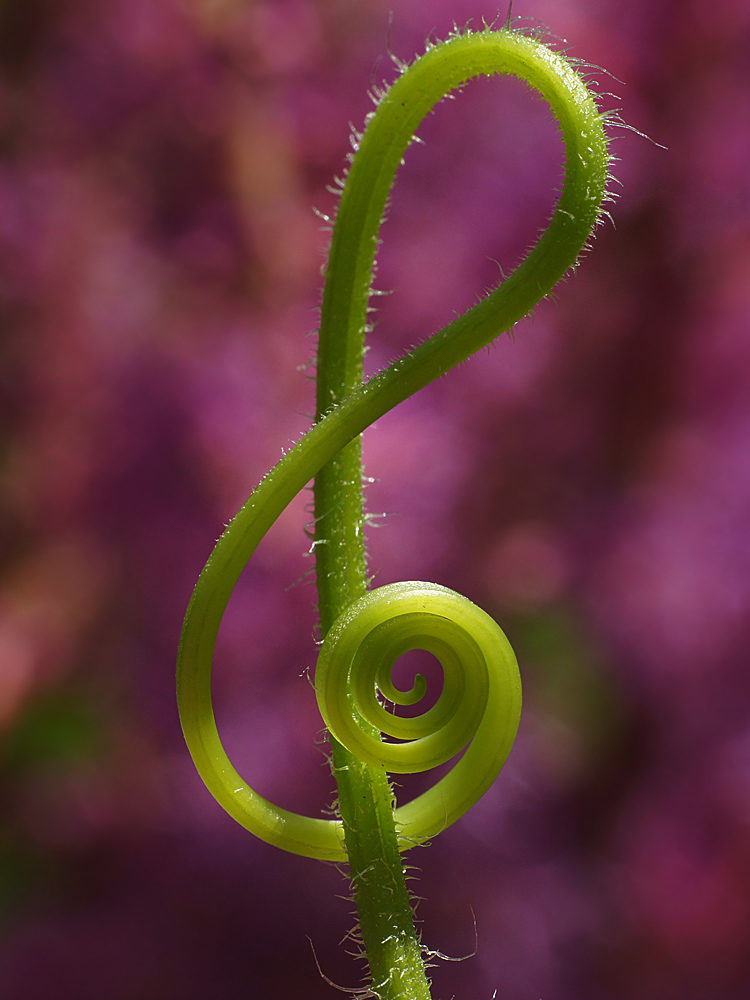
(407, 669)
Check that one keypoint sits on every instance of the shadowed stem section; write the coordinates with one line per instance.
(376, 870)
(386, 923)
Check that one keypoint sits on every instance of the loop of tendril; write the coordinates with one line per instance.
(480, 702)
(441, 69)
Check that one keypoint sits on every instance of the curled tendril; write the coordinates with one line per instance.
(480, 702)
(470, 643)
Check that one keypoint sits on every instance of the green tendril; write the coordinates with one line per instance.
(480, 702)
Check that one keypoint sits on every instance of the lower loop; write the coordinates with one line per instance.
(480, 702)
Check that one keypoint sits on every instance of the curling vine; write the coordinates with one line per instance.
(366, 631)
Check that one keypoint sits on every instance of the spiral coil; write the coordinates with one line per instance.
(479, 705)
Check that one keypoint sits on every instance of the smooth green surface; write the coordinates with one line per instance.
(480, 700)
(346, 407)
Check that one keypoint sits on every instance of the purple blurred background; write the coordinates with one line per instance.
(588, 483)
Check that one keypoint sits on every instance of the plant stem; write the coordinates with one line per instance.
(365, 797)
(386, 921)
(330, 452)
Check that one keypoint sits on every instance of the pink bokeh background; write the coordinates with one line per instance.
(587, 482)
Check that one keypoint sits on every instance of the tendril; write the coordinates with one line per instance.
(480, 702)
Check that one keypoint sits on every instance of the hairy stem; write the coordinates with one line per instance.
(365, 796)
(330, 452)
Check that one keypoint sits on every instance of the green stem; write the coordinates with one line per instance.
(386, 923)
(330, 453)
(365, 796)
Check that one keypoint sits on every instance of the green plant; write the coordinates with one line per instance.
(365, 632)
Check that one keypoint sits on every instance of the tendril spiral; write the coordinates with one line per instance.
(361, 647)
(480, 702)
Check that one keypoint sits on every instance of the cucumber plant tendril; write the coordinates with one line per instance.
(366, 631)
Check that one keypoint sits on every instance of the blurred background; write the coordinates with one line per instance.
(587, 482)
